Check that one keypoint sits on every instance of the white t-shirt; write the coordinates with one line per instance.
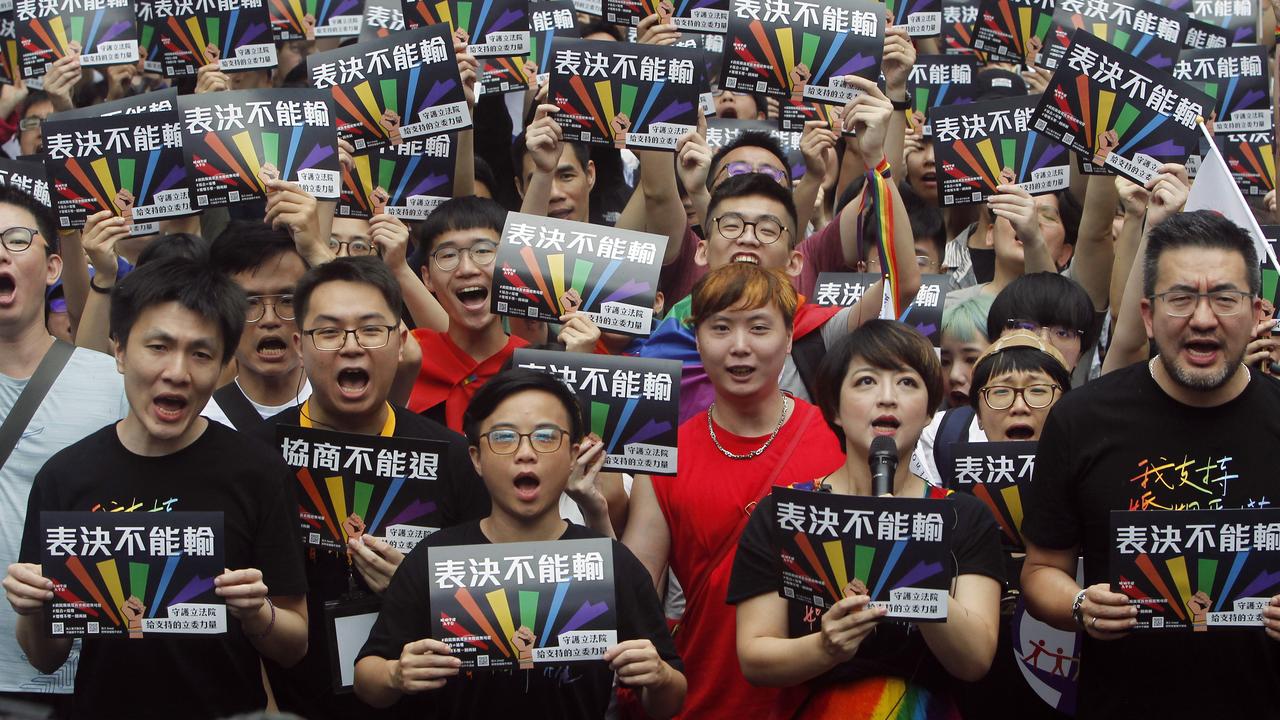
(213, 412)
(88, 394)
(922, 463)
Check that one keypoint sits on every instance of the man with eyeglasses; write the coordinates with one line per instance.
(1192, 428)
(269, 375)
(86, 394)
(350, 338)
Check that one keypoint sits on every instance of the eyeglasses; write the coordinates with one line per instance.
(543, 440)
(17, 239)
(1223, 303)
(355, 248)
(735, 93)
(1001, 397)
(482, 252)
(1059, 332)
(872, 263)
(281, 304)
(30, 123)
(767, 229)
(744, 168)
(369, 337)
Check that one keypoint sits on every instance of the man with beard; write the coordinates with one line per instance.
(1198, 409)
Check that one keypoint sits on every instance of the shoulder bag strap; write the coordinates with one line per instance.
(24, 408)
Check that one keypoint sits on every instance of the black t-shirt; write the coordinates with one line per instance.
(1121, 443)
(894, 649)
(580, 690)
(189, 677)
(306, 688)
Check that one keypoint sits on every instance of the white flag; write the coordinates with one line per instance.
(1215, 189)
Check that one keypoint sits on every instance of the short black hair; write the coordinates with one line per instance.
(461, 213)
(247, 245)
(749, 138)
(756, 184)
(884, 344)
(1199, 229)
(184, 245)
(926, 219)
(1046, 298)
(511, 382)
(1016, 359)
(484, 174)
(189, 282)
(1069, 211)
(45, 222)
(519, 150)
(366, 270)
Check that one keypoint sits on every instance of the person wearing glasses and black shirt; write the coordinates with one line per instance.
(350, 338)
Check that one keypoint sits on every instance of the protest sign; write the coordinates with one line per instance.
(1118, 112)
(631, 403)
(351, 485)
(924, 313)
(958, 19)
(133, 574)
(896, 550)
(310, 19)
(381, 18)
(104, 31)
(1238, 18)
(614, 271)
(521, 606)
(997, 473)
(723, 131)
(1009, 30)
(403, 86)
(234, 140)
(1237, 79)
(236, 34)
(922, 18)
(1201, 35)
(982, 145)
(803, 49)
(491, 28)
(1149, 32)
(28, 176)
(624, 94)
(130, 164)
(703, 16)
(413, 176)
(796, 112)
(547, 19)
(941, 81)
(1196, 569)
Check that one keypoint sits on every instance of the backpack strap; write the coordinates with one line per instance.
(807, 353)
(24, 408)
(236, 406)
(954, 428)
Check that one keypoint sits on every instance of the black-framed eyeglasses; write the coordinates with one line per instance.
(543, 440)
(767, 229)
(355, 248)
(481, 252)
(1059, 332)
(281, 305)
(332, 339)
(1223, 303)
(1002, 397)
(17, 239)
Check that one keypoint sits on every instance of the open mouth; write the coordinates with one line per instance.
(1019, 432)
(1202, 352)
(169, 407)
(740, 371)
(353, 381)
(885, 425)
(746, 258)
(527, 485)
(272, 348)
(473, 297)
(929, 177)
(727, 111)
(8, 288)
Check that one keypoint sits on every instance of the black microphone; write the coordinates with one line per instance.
(884, 463)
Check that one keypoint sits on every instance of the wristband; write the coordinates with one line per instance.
(901, 104)
(1077, 609)
(883, 168)
(94, 287)
(270, 624)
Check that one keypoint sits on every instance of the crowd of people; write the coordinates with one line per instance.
(1105, 323)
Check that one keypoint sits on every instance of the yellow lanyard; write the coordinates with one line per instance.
(388, 428)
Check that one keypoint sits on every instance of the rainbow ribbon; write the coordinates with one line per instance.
(875, 223)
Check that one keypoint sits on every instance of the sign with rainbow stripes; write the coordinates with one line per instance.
(413, 177)
(351, 485)
(133, 574)
(489, 27)
(996, 473)
(631, 403)
(521, 606)
(105, 31)
(1010, 30)
(296, 19)
(234, 141)
(1196, 569)
(896, 550)
(1147, 31)
(547, 19)
(237, 35)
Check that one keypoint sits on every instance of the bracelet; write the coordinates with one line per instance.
(270, 624)
(94, 287)
(883, 168)
(901, 104)
(1077, 608)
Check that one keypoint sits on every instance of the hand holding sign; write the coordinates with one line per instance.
(244, 592)
(102, 231)
(638, 663)
(1169, 189)
(375, 560)
(62, 78)
(424, 665)
(210, 78)
(542, 139)
(1107, 615)
(867, 116)
(1016, 205)
(26, 589)
(847, 624)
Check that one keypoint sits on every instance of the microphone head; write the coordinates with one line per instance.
(884, 446)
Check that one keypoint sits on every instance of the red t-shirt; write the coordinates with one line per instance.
(451, 376)
(705, 506)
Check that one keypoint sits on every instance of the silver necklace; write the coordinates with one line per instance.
(746, 456)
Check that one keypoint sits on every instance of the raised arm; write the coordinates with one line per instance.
(543, 140)
(102, 231)
(1095, 246)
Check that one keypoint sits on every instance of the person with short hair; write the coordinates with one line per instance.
(1104, 448)
(175, 324)
(525, 430)
(881, 380)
